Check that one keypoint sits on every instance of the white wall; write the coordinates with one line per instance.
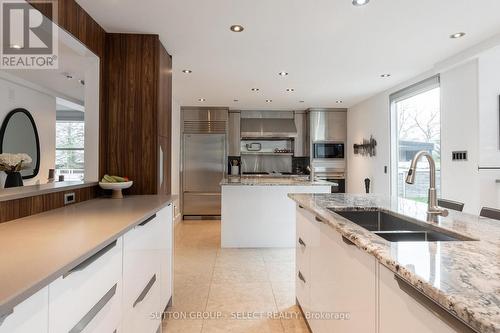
(366, 119)
(470, 121)
(460, 131)
(176, 151)
(43, 109)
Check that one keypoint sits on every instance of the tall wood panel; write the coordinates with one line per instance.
(165, 119)
(138, 77)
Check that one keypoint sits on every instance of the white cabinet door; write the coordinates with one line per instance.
(404, 310)
(343, 287)
(141, 277)
(165, 246)
(30, 316)
(89, 296)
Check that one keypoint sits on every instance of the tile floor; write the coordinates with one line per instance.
(256, 284)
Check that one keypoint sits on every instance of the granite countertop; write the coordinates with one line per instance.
(271, 181)
(36, 250)
(463, 277)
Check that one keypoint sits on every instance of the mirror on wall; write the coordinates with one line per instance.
(52, 115)
(19, 134)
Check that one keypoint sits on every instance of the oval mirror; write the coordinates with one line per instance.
(19, 135)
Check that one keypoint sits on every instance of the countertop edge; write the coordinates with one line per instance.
(24, 192)
(23, 295)
(448, 303)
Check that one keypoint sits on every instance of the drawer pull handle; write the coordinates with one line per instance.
(5, 315)
(301, 277)
(347, 241)
(319, 220)
(146, 290)
(90, 260)
(83, 323)
(301, 207)
(301, 242)
(432, 306)
(149, 219)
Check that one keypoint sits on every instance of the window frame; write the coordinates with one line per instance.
(420, 87)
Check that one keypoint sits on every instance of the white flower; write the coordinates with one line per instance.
(12, 160)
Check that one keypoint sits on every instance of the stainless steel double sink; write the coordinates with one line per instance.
(398, 229)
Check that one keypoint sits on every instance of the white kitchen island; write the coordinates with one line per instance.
(256, 211)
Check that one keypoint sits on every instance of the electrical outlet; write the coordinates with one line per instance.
(459, 155)
(69, 198)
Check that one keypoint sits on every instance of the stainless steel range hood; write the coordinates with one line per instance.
(278, 128)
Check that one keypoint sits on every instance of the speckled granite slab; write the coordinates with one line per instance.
(463, 277)
(271, 181)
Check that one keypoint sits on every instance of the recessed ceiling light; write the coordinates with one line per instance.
(385, 75)
(301, 101)
(339, 102)
(282, 73)
(269, 100)
(457, 35)
(237, 28)
(201, 100)
(290, 89)
(255, 89)
(67, 76)
(82, 82)
(16, 46)
(360, 2)
(236, 100)
(187, 71)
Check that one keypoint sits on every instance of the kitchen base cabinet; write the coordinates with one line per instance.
(89, 295)
(402, 309)
(336, 283)
(29, 316)
(343, 285)
(165, 233)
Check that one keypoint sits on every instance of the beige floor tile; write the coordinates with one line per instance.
(278, 255)
(238, 257)
(242, 297)
(190, 296)
(281, 271)
(242, 326)
(181, 326)
(240, 273)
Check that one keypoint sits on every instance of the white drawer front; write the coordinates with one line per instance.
(75, 297)
(140, 260)
(144, 316)
(30, 316)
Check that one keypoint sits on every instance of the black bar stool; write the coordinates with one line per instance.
(490, 213)
(454, 205)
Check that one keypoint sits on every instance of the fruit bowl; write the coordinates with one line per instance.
(116, 188)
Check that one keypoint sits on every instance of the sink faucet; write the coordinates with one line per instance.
(433, 208)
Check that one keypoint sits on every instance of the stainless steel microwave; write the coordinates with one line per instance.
(328, 150)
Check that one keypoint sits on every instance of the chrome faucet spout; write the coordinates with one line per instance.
(433, 208)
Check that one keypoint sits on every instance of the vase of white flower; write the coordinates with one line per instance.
(12, 164)
(14, 179)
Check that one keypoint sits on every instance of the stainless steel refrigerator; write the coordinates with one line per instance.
(204, 161)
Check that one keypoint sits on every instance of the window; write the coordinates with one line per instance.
(416, 119)
(70, 139)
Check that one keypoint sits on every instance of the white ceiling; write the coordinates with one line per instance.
(331, 49)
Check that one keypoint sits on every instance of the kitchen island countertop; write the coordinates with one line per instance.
(463, 277)
(271, 181)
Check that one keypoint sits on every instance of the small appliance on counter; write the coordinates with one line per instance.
(235, 168)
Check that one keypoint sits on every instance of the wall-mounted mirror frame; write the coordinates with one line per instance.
(3, 131)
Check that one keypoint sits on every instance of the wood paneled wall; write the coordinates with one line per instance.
(15, 209)
(139, 102)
